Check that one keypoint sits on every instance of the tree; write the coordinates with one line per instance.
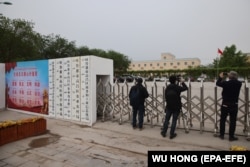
(55, 46)
(231, 58)
(83, 50)
(121, 62)
(18, 41)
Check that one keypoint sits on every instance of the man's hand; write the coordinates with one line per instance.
(182, 80)
(221, 74)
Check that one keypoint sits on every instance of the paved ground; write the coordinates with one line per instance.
(67, 144)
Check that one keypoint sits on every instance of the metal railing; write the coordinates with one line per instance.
(200, 105)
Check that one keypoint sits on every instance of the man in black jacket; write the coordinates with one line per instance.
(229, 106)
(173, 100)
(138, 105)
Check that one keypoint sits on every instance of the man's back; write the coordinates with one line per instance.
(231, 90)
(141, 95)
(172, 95)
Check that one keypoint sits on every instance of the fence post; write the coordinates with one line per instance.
(152, 107)
(121, 101)
(146, 104)
(163, 100)
(247, 115)
(216, 110)
(113, 100)
(189, 103)
(188, 116)
(202, 107)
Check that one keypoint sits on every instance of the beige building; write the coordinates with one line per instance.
(167, 62)
(248, 57)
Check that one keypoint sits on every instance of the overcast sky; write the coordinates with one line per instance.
(142, 29)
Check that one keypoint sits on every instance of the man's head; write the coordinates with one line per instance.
(232, 75)
(139, 80)
(172, 79)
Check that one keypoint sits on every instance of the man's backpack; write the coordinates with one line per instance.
(134, 96)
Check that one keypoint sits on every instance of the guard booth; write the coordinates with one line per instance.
(63, 88)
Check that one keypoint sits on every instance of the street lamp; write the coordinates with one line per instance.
(6, 3)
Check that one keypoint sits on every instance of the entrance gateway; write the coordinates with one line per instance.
(63, 88)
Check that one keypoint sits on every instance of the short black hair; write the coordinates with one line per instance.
(172, 79)
(139, 80)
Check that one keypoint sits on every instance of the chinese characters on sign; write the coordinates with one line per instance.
(85, 89)
(24, 91)
(69, 88)
(27, 86)
(51, 87)
(75, 112)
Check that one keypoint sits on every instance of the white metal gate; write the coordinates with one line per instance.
(200, 105)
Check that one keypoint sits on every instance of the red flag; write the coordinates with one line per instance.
(220, 52)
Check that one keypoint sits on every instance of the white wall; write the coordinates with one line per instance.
(80, 81)
(2, 85)
(98, 66)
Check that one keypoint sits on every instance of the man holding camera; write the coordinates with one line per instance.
(173, 100)
(229, 106)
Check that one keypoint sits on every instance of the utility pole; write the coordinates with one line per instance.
(5, 3)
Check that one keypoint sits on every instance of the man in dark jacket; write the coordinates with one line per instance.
(229, 106)
(138, 106)
(173, 100)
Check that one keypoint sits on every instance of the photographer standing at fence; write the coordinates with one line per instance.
(229, 106)
(173, 100)
(137, 95)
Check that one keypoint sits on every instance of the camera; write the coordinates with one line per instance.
(178, 78)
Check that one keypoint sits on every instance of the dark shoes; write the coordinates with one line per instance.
(221, 137)
(173, 136)
(163, 134)
(230, 138)
(233, 138)
(140, 128)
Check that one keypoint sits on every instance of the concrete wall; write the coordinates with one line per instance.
(73, 86)
(2, 85)
(99, 66)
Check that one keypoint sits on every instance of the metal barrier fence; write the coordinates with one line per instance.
(200, 106)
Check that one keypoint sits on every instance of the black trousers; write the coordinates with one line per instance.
(140, 110)
(232, 111)
(169, 114)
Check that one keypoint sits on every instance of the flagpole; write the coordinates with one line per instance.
(219, 53)
(217, 64)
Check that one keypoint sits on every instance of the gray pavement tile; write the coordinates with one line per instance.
(4, 154)
(2, 163)
(14, 160)
(31, 164)
(52, 163)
